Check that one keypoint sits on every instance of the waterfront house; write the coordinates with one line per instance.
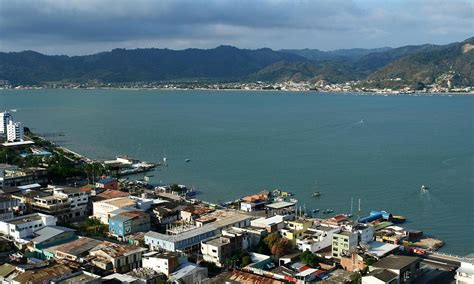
(128, 222)
(281, 208)
(254, 202)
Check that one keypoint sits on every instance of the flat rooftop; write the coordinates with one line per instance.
(23, 219)
(280, 205)
(119, 202)
(396, 261)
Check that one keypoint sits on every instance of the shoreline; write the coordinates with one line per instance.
(357, 93)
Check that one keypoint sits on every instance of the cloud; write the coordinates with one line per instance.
(87, 26)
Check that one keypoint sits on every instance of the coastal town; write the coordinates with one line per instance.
(391, 87)
(67, 218)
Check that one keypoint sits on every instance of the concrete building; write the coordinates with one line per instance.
(271, 224)
(14, 131)
(12, 176)
(407, 268)
(128, 222)
(317, 238)
(102, 209)
(107, 183)
(21, 228)
(166, 262)
(281, 208)
(75, 250)
(380, 276)
(116, 257)
(50, 236)
(295, 229)
(78, 200)
(254, 202)
(188, 274)
(5, 117)
(218, 249)
(465, 273)
(6, 207)
(343, 242)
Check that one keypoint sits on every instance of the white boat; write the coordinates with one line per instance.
(424, 188)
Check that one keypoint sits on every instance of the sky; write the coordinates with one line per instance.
(77, 27)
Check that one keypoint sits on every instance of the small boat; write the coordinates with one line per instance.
(397, 219)
(424, 188)
(327, 211)
(187, 160)
(316, 194)
(315, 210)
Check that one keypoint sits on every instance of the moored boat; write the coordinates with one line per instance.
(397, 219)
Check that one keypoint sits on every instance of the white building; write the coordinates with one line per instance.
(22, 227)
(14, 131)
(78, 199)
(102, 209)
(271, 224)
(5, 117)
(166, 262)
(465, 273)
(316, 239)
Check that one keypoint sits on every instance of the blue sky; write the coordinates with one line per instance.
(88, 26)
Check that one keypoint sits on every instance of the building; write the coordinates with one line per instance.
(188, 273)
(82, 277)
(41, 275)
(254, 234)
(271, 224)
(14, 131)
(5, 117)
(281, 208)
(407, 268)
(78, 200)
(102, 209)
(190, 213)
(12, 176)
(50, 204)
(128, 222)
(75, 250)
(380, 276)
(343, 242)
(218, 249)
(181, 242)
(353, 262)
(465, 273)
(6, 207)
(166, 262)
(50, 236)
(317, 238)
(116, 257)
(295, 229)
(21, 228)
(107, 183)
(254, 202)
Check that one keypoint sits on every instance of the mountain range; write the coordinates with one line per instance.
(425, 64)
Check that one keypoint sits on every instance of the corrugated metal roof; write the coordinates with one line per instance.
(6, 269)
(49, 232)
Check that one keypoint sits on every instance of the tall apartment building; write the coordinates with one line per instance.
(14, 131)
(5, 117)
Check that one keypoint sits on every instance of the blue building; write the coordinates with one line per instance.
(127, 222)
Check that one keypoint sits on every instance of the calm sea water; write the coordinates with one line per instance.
(376, 148)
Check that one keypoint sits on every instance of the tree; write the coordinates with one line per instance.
(272, 239)
(309, 258)
(246, 260)
(281, 247)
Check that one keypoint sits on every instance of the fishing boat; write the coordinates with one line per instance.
(315, 210)
(327, 211)
(316, 194)
(397, 219)
(187, 160)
